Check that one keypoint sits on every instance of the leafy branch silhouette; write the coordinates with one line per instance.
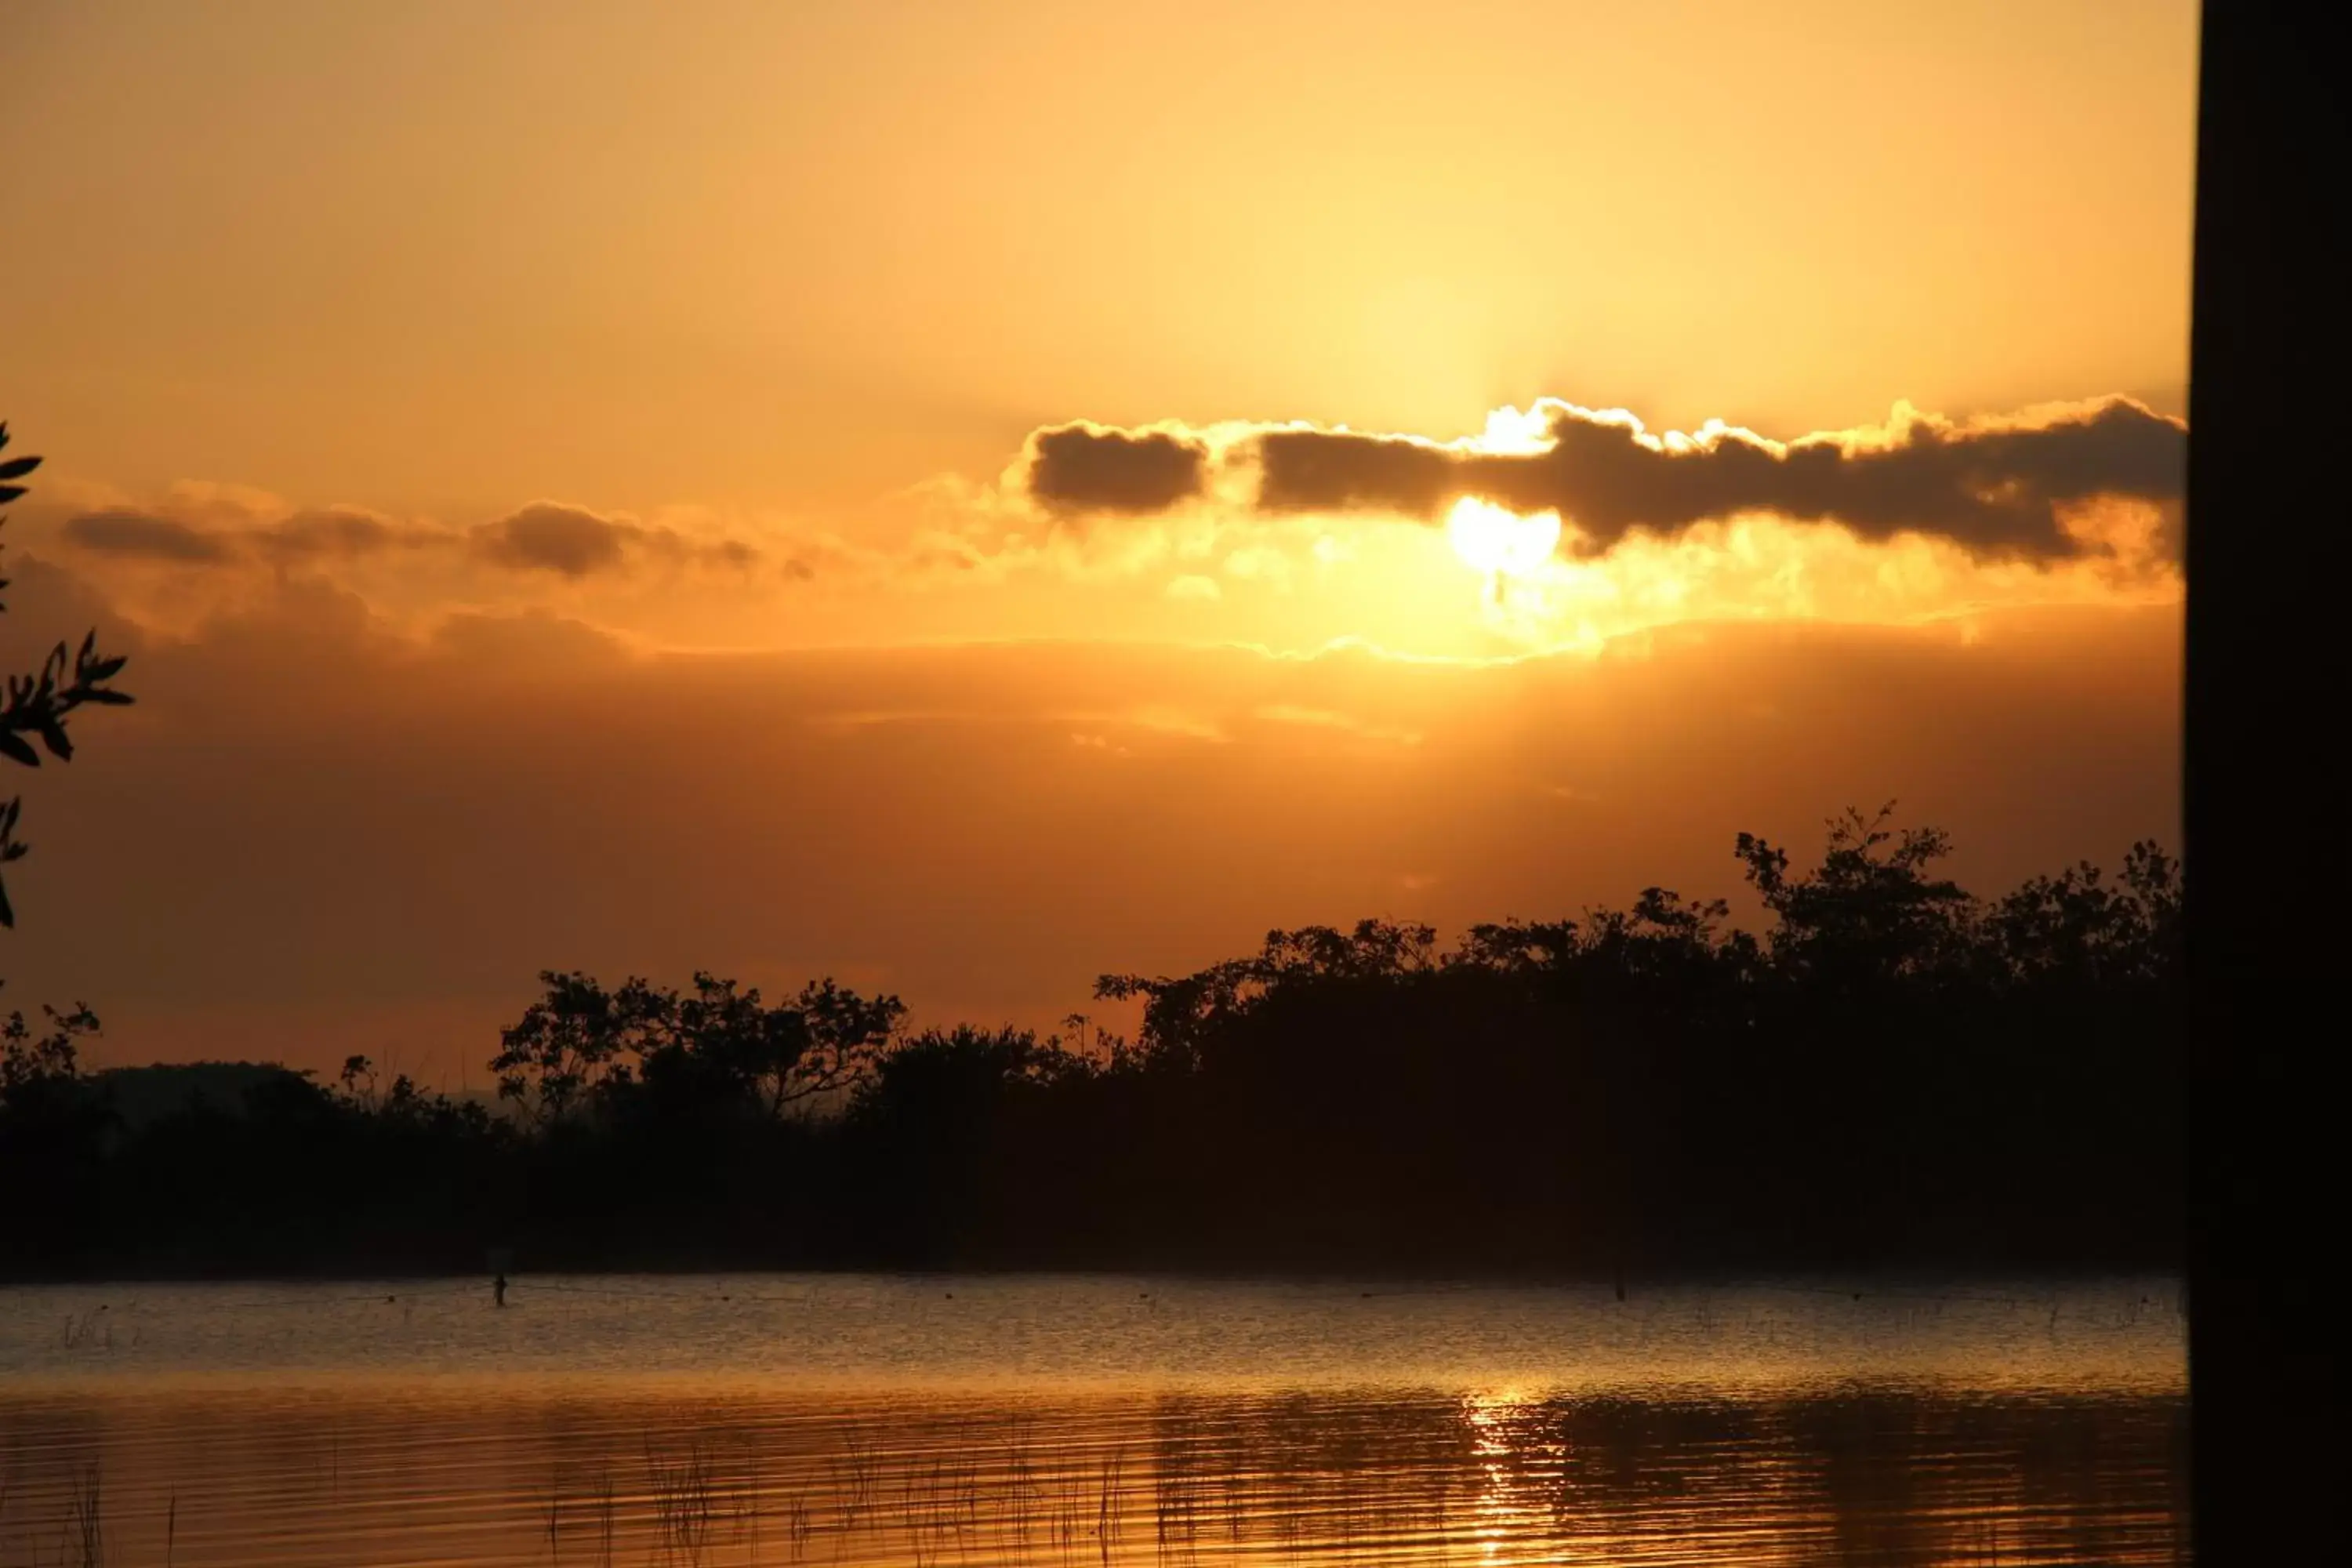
(37, 705)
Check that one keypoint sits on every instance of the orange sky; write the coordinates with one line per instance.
(571, 481)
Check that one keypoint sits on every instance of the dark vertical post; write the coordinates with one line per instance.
(2265, 798)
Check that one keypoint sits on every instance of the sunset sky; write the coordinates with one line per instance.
(963, 498)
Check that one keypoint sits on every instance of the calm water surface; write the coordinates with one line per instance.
(783, 1419)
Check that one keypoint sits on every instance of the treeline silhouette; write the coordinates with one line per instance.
(1889, 1073)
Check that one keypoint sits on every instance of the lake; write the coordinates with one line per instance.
(1091, 1419)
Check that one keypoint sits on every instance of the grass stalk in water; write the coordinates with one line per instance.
(683, 1500)
(85, 1524)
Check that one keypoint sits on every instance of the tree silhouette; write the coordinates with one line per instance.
(1870, 911)
(819, 1043)
(34, 1067)
(1886, 1071)
(41, 1084)
(575, 1042)
(581, 1046)
(37, 705)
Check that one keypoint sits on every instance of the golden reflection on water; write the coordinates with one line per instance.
(342, 1478)
(1087, 1422)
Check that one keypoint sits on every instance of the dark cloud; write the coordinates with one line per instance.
(338, 532)
(1995, 489)
(572, 541)
(545, 536)
(1335, 470)
(565, 539)
(341, 532)
(137, 533)
(1086, 467)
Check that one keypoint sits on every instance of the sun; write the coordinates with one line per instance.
(1499, 542)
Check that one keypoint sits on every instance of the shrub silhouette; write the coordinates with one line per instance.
(38, 705)
(1885, 1070)
(49, 1114)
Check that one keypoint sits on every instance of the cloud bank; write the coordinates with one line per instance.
(1999, 488)
(570, 541)
(317, 834)
(138, 535)
(1287, 536)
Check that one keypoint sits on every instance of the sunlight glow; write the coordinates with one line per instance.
(1524, 431)
(1501, 542)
